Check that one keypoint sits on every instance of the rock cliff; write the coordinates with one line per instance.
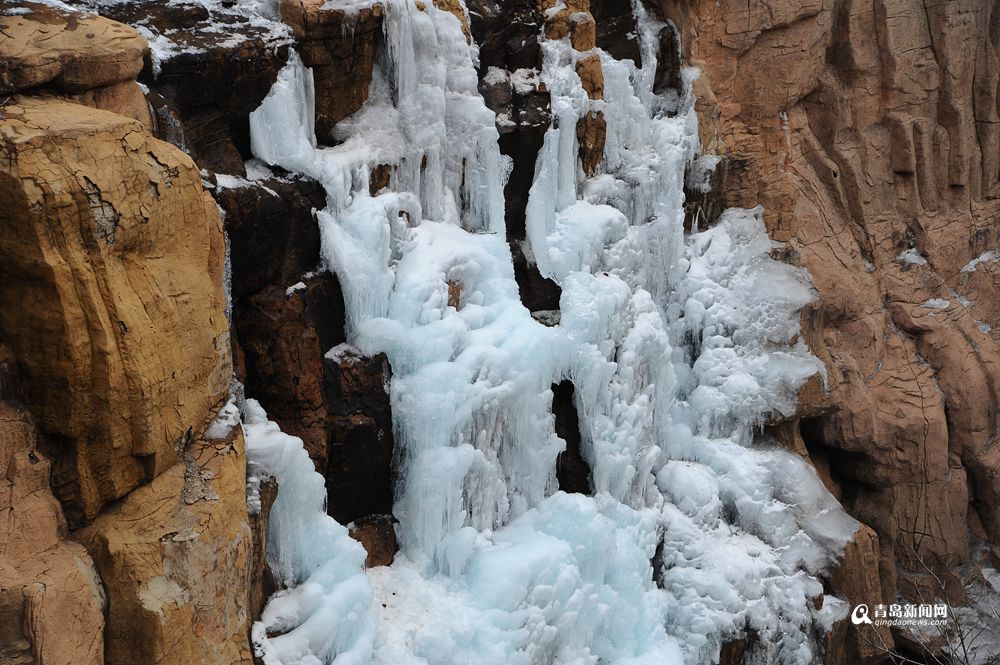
(867, 131)
(870, 142)
(120, 526)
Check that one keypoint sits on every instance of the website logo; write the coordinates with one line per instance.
(860, 615)
(900, 614)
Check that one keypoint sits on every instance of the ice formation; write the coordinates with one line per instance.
(678, 347)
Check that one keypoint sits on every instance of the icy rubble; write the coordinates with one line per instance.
(677, 347)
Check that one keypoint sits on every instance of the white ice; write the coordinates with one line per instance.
(678, 347)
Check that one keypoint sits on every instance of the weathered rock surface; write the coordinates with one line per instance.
(176, 556)
(283, 337)
(339, 44)
(44, 46)
(111, 274)
(870, 138)
(378, 535)
(51, 600)
(125, 98)
(285, 315)
(359, 477)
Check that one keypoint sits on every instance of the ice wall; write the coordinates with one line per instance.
(677, 346)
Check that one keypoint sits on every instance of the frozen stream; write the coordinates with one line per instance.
(678, 346)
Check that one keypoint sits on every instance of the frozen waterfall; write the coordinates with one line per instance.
(678, 346)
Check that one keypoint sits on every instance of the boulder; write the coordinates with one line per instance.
(591, 135)
(378, 535)
(66, 51)
(591, 75)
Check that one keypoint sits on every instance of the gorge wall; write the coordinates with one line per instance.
(147, 258)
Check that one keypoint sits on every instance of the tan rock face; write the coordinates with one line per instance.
(125, 98)
(176, 559)
(591, 75)
(51, 600)
(378, 535)
(871, 139)
(111, 274)
(856, 579)
(68, 52)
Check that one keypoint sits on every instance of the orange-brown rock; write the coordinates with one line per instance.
(69, 52)
(111, 262)
(51, 600)
(583, 31)
(557, 24)
(591, 135)
(175, 557)
(869, 134)
(339, 44)
(591, 75)
(856, 580)
(125, 98)
(378, 535)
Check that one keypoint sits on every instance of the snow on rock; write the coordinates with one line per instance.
(323, 613)
(677, 348)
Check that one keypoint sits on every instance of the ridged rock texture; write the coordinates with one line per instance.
(111, 273)
(175, 557)
(124, 534)
(868, 131)
(51, 599)
(872, 143)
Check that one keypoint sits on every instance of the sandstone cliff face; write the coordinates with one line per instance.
(109, 264)
(51, 599)
(871, 142)
(114, 336)
(867, 131)
(175, 558)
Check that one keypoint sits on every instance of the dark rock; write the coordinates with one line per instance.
(359, 476)
(283, 337)
(341, 48)
(538, 294)
(617, 32)
(262, 582)
(702, 208)
(521, 142)
(273, 236)
(572, 470)
(507, 33)
(668, 64)
(231, 83)
(212, 85)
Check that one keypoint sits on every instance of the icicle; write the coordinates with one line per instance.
(496, 566)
